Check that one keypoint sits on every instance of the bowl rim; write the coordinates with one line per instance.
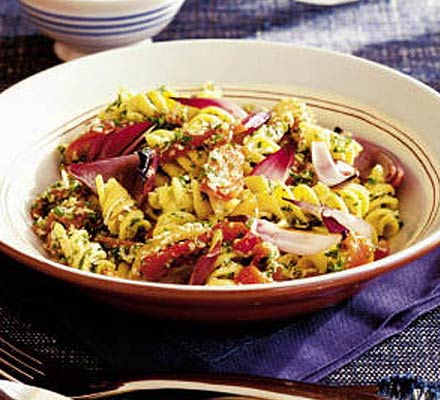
(354, 275)
(99, 3)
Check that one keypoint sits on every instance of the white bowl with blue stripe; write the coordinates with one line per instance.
(82, 27)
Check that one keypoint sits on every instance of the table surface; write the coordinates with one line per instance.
(404, 34)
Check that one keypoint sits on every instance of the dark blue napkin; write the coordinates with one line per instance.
(305, 348)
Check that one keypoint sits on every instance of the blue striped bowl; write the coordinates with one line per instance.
(82, 27)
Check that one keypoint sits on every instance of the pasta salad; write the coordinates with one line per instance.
(199, 190)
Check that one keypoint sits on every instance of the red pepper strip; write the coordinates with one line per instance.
(205, 265)
(232, 230)
(155, 266)
(380, 253)
(359, 249)
(382, 250)
(246, 244)
(178, 149)
(86, 148)
(279, 275)
(249, 125)
(117, 141)
(249, 275)
(259, 252)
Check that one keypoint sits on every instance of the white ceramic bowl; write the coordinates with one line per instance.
(372, 101)
(82, 27)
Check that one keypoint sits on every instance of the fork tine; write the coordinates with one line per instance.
(8, 359)
(18, 351)
(5, 375)
(16, 364)
(16, 370)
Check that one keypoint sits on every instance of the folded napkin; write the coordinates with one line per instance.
(304, 348)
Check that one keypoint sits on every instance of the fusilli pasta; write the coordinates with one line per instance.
(224, 201)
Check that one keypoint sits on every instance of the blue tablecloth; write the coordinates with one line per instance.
(404, 34)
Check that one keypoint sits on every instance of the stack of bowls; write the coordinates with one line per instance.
(82, 27)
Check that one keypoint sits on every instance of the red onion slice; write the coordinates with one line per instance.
(293, 241)
(345, 169)
(93, 146)
(118, 141)
(249, 125)
(135, 172)
(328, 171)
(333, 225)
(276, 166)
(121, 168)
(373, 154)
(205, 265)
(337, 221)
(349, 221)
(204, 102)
(255, 121)
(86, 148)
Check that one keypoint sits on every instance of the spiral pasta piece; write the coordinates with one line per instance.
(265, 140)
(375, 203)
(257, 146)
(190, 164)
(356, 197)
(168, 221)
(153, 104)
(342, 146)
(209, 118)
(75, 249)
(328, 197)
(119, 210)
(161, 138)
(177, 196)
(167, 237)
(383, 213)
(186, 195)
(385, 221)
(270, 200)
(352, 197)
(205, 191)
(296, 114)
(312, 265)
(305, 193)
(225, 270)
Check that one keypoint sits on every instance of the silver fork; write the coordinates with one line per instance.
(18, 365)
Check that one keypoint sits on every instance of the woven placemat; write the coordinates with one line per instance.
(35, 326)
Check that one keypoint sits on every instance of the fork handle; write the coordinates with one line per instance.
(241, 385)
